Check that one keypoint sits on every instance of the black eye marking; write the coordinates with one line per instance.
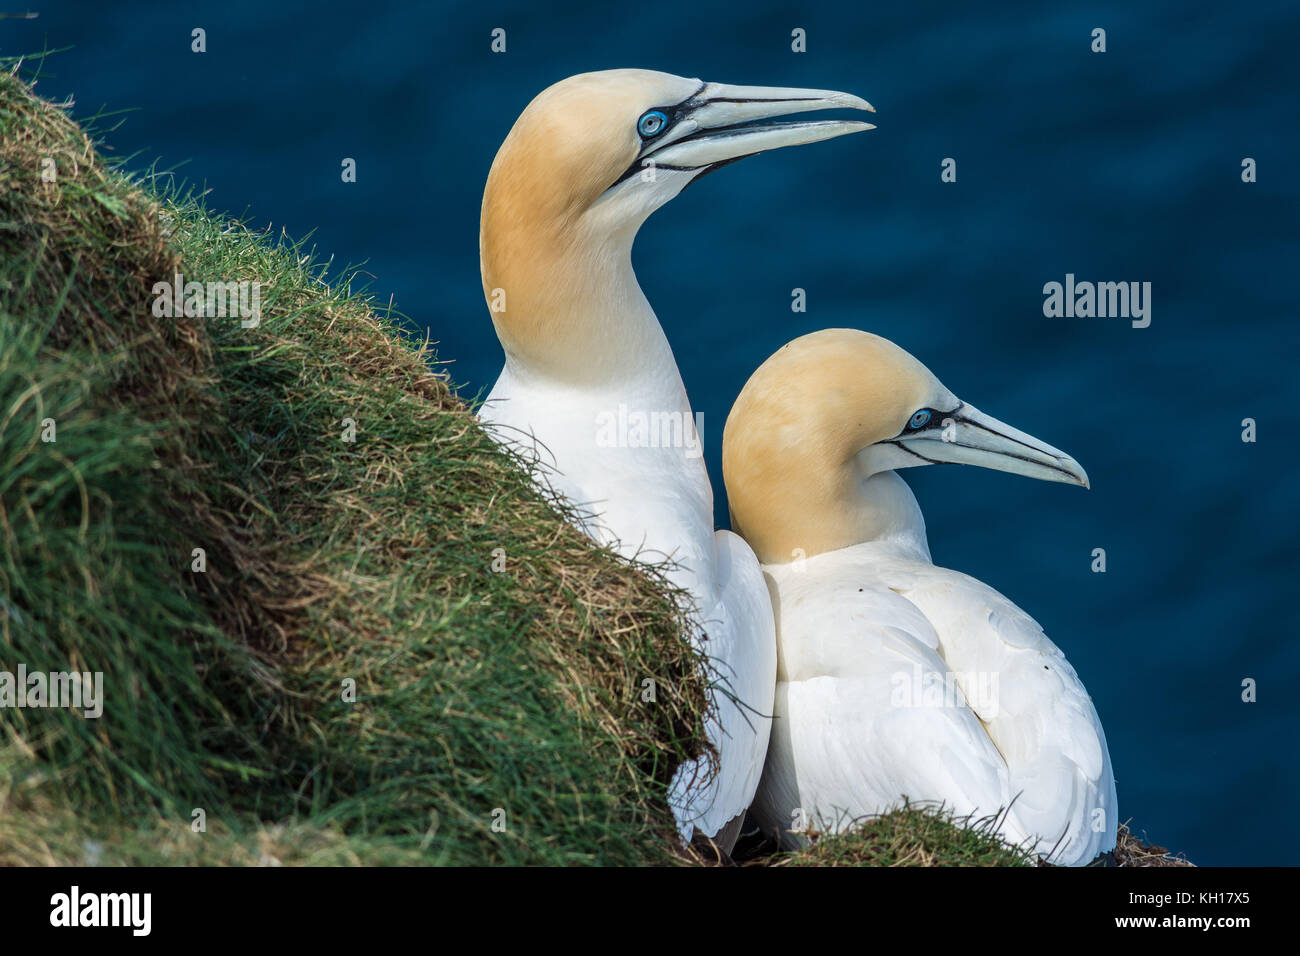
(927, 419)
(671, 115)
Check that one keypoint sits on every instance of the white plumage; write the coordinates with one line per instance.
(873, 640)
(585, 164)
(897, 679)
(654, 504)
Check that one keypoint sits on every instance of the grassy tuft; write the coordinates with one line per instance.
(913, 836)
(1131, 851)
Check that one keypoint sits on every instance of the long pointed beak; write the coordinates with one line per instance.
(969, 437)
(724, 123)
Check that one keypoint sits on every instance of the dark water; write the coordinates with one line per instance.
(1117, 166)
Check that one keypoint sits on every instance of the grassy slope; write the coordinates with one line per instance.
(326, 560)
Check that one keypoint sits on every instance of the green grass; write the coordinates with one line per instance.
(327, 561)
(914, 836)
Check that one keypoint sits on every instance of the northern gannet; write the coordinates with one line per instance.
(584, 165)
(897, 678)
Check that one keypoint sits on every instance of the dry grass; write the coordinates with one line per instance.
(1131, 851)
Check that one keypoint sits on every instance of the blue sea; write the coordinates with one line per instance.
(1117, 166)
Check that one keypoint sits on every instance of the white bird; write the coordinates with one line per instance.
(895, 678)
(590, 384)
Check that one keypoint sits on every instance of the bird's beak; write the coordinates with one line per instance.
(721, 124)
(967, 436)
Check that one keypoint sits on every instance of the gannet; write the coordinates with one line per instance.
(588, 160)
(895, 678)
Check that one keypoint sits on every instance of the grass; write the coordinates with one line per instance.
(399, 650)
(914, 836)
(924, 835)
(1133, 851)
(482, 697)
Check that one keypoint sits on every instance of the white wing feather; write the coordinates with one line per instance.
(854, 731)
(1041, 718)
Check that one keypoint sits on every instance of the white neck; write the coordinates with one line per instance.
(885, 510)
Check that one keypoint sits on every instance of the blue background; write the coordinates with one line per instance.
(1117, 166)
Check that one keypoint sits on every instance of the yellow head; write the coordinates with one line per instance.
(588, 160)
(831, 411)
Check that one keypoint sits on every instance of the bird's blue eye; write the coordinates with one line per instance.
(919, 419)
(652, 124)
